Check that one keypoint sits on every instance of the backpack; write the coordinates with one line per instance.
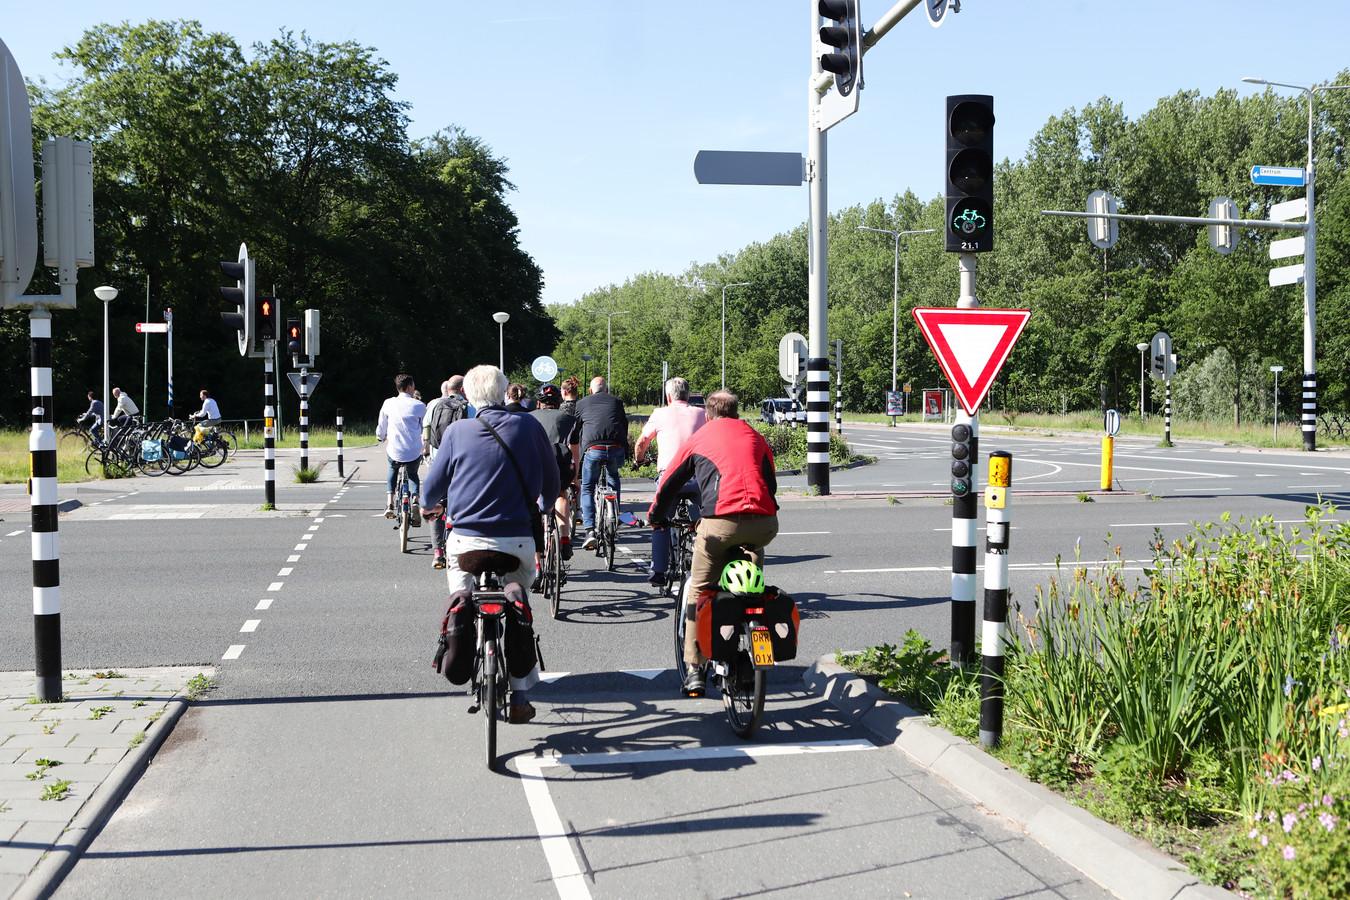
(450, 409)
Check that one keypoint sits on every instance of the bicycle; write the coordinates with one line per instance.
(606, 519)
(681, 527)
(554, 570)
(213, 447)
(489, 686)
(403, 507)
(79, 440)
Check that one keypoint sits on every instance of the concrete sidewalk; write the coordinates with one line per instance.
(65, 767)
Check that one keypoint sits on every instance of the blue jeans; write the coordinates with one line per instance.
(414, 482)
(661, 536)
(591, 461)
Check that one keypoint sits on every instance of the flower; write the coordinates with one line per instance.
(1265, 841)
(1289, 821)
(1253, 833)
(1327, 799)
(1328, 821)
(1289, 852)
(1316, 763)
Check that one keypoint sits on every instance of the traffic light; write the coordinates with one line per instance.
(969, 129)
(241, 296)
(845, 35)
(834, 350)
(965, 453)
(266, 314)
(294, 343)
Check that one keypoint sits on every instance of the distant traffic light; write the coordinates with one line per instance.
(969, 132)
(965, 452)
(294, 342)
(845, 35)
(241, 297)
(266, 313)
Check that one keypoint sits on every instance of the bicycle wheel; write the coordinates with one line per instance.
(553, 572)
(611, 531)
(681, 667)
(230, 444)
(490, 699)
(74, 441)
(743, 689)
(213, 452)
(404, 523)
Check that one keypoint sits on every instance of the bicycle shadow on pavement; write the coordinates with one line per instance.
(819, 606)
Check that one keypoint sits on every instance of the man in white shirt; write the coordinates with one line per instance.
(401, 422)
(209, 414)
(125, 409)
(670, 426)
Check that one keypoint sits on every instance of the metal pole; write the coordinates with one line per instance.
(145, 368)
(817, 365)
(1277, 405)
(501, 346)
(965, 512)
(304, 417)
(46, 547)
(107, 435)
(1143, 349)
(839, 387)
(609, 343)
(341, 474)
(1167, 416)
(995, 635)
(724, 337)
(269, 432)
(168, 317)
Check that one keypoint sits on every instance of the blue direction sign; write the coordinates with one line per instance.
(1283, 175)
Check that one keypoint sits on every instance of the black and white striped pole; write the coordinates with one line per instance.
(341, 474)
(304, 417)
(1167, 416)
(269, 432)
(44, 505)
(818, 423)
(965, 459)
(839, 387)
(995, 634)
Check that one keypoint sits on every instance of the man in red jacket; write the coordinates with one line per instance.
(735, 471)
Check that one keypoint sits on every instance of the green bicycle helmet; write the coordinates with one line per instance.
(743, 577)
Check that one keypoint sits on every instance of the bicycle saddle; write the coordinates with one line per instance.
(479, 562)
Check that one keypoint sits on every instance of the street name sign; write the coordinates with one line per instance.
(152, 327)
(1289, 209)
(971, 345)
(749, 167)
(311, 382)
(1280, 175)
(1287, 275)
(1293, 246)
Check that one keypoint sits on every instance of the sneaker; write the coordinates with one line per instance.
(416, 519)
(520, 713)
(695, 683)
(389, 511)
(591, 541)
(657, 579)
(565, 548)
(537, 586)
(438, 560)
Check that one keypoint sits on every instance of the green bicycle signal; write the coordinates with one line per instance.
(969, 222)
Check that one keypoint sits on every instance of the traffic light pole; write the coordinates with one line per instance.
(269, 432)
(304, 417)
(965, 508)
(817, 364)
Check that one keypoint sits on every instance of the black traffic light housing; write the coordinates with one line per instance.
(969, 132)
(845, 35)
(241, 297)
(965, 453)
(294, 337)
(266, 314)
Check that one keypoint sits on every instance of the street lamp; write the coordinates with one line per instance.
(609, 338)
(107, 295)
(724, 321)
(1277, 370)
(501, 319)
(1309, 274)
(895, 294)
(586, 358)
(1142, 347)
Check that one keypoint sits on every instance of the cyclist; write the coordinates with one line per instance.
(125, 408)
(517, 395)
(93, 417)
(209, 415)
(570, 388)
(401, 422)
(735, 471)
(602, 433)
(559, 426)
(481, 481)
(450, 407)
(671, 426)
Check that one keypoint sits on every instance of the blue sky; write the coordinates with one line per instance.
(599, 107)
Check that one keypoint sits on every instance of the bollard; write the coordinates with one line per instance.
(339, 442)
(1167, 416)
(995, 633)
(43, 506)
(304, 418)
(1108, 453)
(965, 524)
(269, 435)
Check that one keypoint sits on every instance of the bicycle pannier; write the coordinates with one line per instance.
(784, 621)
(455, 648)
(520, 649)
(719, 613)
(151, 451)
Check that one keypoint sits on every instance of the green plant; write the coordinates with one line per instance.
(138, 703)
(1084, 497)
(199, 684)
(309, 475)
(137, 739)
(110, 673)
(43, 765)
(267, 507)
(55, 791)
(50, 727)
(99, 712)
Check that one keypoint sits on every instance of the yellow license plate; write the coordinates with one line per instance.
(761, 649)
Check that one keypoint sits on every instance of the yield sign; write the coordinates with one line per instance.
(971, 345)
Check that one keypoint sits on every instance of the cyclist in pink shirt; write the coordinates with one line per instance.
(670, 426)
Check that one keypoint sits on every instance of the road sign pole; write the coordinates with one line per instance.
(269, 432)
(1310, 306)
(43, 506)
(304, 417)
(1167, 415)
(965, 511)
(168, 318)
(817, 365)
(995, 635)
(341, 474)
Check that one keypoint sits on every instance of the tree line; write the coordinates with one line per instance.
(297, 147)
(1090, 307)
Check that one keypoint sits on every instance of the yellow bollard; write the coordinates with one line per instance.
(1108, 445)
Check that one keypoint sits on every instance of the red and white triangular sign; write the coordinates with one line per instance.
(971, 345)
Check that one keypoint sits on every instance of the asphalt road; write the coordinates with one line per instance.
(331, 761)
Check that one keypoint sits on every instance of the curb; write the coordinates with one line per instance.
(1120, 863)
(47, 875)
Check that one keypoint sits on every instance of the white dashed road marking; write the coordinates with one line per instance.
(251, 625)
(234, 651)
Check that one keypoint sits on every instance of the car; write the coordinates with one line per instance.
(775, 411)
(697, 400)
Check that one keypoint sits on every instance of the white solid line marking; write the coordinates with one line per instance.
(234, 651)
(251, 625)
(264, 603)
(786, 533)
(295, 558)
(676, 754)
(275, 586)
(552, 676)
(13, 533)
(562, 862)
(284, 572)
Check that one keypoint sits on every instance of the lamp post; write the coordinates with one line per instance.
(609, 338)
(1142, 347)
(1277, 370)
(501, 319)
(586, 358)
(1309, 274)
(895, 294)
(724, 321)
(107, 295)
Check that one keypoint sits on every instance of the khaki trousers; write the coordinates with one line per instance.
(715, 538)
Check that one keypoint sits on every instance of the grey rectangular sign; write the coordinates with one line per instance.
(749, 167)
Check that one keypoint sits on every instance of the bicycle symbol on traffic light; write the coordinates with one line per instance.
(969, 221)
